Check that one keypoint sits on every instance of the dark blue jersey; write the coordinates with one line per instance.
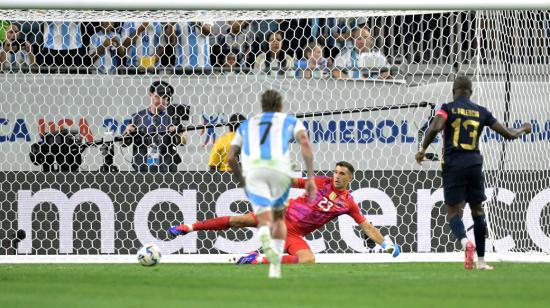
(155, 126)
(464, 124)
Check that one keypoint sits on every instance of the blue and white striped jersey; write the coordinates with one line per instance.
(193, 48)
(264, 140)
(107, 62)
(146, 44)
(62, 35)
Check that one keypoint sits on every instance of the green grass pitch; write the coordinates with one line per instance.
(319, 285)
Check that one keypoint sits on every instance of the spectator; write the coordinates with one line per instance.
(32, 32)
(230, 61)
(321, 33)
(155, 132)
(259, 28)
(191, 43)
(230, 64)
(361, 61)
(295, 34)
(313, 65)
(235, 38)
(106, 49)
(275, 61)
(16, 50)
(218, 156)
(4, 25)
(144, 43)
(341, 33)
(63, 44)
(296, 37)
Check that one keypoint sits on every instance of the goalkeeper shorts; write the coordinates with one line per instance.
(294, 242)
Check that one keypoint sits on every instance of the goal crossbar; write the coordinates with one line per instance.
(272, 5)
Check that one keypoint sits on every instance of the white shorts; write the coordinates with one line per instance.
(267, 189)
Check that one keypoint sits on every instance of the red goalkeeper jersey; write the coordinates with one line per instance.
(303, 217)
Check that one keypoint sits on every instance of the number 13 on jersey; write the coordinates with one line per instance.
(466, 142)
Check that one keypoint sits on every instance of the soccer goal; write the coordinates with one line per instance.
(365, 79)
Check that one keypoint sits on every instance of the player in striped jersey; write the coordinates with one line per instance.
(191, 43)
(144, 42)
(106, 49)
(264, 140)
(301, 218)
(63, 43)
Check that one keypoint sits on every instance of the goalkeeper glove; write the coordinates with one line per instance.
(392, 248)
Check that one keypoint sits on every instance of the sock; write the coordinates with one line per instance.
(457, 226)
(186, 227)
(480, 230)
(220, 223)
(286, 259)
(463, 242)
(271, 253)
(260, 260)
(480, 260)
(263, 230)
(279, 245)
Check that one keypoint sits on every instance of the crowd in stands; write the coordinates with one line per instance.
(309, 48)
(363, 47)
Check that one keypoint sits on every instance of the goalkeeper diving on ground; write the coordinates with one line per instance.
(302, 217)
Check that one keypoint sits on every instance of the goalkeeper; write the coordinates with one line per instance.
(301, 218)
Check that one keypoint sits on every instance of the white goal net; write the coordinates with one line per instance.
(364, 82)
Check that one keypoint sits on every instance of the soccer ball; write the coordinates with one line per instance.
(149, 255)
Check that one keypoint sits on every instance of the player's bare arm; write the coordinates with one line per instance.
(437, 126)
(374, 234)
(511, 133)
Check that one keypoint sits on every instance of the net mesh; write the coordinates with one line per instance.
(191, 15)
(365, 83)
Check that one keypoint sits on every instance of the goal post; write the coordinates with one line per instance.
(364, 78)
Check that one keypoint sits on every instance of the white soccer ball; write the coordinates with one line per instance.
(149, 255)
